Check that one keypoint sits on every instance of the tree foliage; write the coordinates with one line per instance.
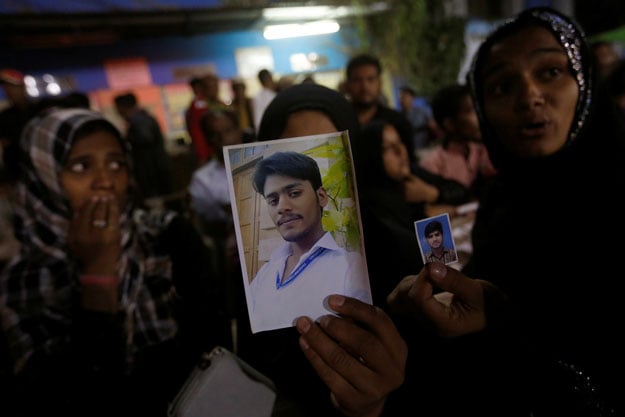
(417, 42)
(340, 216)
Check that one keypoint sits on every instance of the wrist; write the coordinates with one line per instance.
(99, 293)
(100, 267)
(99, 279)
(377, 411)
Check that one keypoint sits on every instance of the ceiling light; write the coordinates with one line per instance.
(321, 12)
(286, 13)
(295, 30)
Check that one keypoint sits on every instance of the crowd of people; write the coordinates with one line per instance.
(106, 305)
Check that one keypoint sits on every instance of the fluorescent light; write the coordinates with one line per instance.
(321, 12)
(285, 13)
(295, 30)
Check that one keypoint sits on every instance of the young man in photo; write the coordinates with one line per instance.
(438, 252)
(310, 264)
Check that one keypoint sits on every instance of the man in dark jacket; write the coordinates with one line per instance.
(152, 166)
(364, 88)
(13, 118)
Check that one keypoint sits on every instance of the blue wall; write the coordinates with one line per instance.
(95, 6)
(85, 64)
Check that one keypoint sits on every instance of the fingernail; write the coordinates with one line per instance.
(323, 321)
(438, 270)
(336, 300)
(303, 325)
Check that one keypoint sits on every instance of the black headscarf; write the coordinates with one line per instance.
(388, 220)
(307, 97)
(369, 150)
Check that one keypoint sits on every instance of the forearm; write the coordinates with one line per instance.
(450, 192)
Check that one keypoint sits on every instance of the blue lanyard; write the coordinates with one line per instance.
(314, 255)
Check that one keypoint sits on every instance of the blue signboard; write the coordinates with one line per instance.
(102, 6)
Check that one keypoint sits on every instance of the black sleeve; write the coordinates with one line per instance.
(450, 191)
(484, 373)
(99, 341)
(64, 381)
(201, 315)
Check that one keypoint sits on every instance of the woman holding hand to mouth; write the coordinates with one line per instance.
(106, 308)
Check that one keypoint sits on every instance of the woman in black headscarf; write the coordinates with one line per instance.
(388, 214)
(317, 367)
(275, 122)
(547, 232)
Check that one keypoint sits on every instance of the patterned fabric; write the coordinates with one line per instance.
(447, 257)
(39, 288)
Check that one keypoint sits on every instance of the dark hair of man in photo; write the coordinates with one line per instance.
(288, 164)
(433, 226)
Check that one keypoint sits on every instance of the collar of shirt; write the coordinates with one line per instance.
(325, 243)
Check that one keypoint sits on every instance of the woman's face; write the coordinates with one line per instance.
(96, 167)
(394, 155)
(530, 94)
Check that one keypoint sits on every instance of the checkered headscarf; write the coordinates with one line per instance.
(39, 287)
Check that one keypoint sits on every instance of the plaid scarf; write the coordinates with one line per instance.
(39, 288)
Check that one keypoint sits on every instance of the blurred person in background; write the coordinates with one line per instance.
(262, 99)
(424, 127)
(205, 97)
(392, 198)
(364, 89)
(13, 118)
(242, 105)
(212, 214)
(461, 156)
(153, 171)
(605, 55)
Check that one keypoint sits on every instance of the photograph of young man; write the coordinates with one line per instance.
(310, 264)
(438, 252)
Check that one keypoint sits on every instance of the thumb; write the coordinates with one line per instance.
(455, 282)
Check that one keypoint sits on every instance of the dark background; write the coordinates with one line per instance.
(598, 16)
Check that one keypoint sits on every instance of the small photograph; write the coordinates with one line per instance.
(298, 227)
(436, 241)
